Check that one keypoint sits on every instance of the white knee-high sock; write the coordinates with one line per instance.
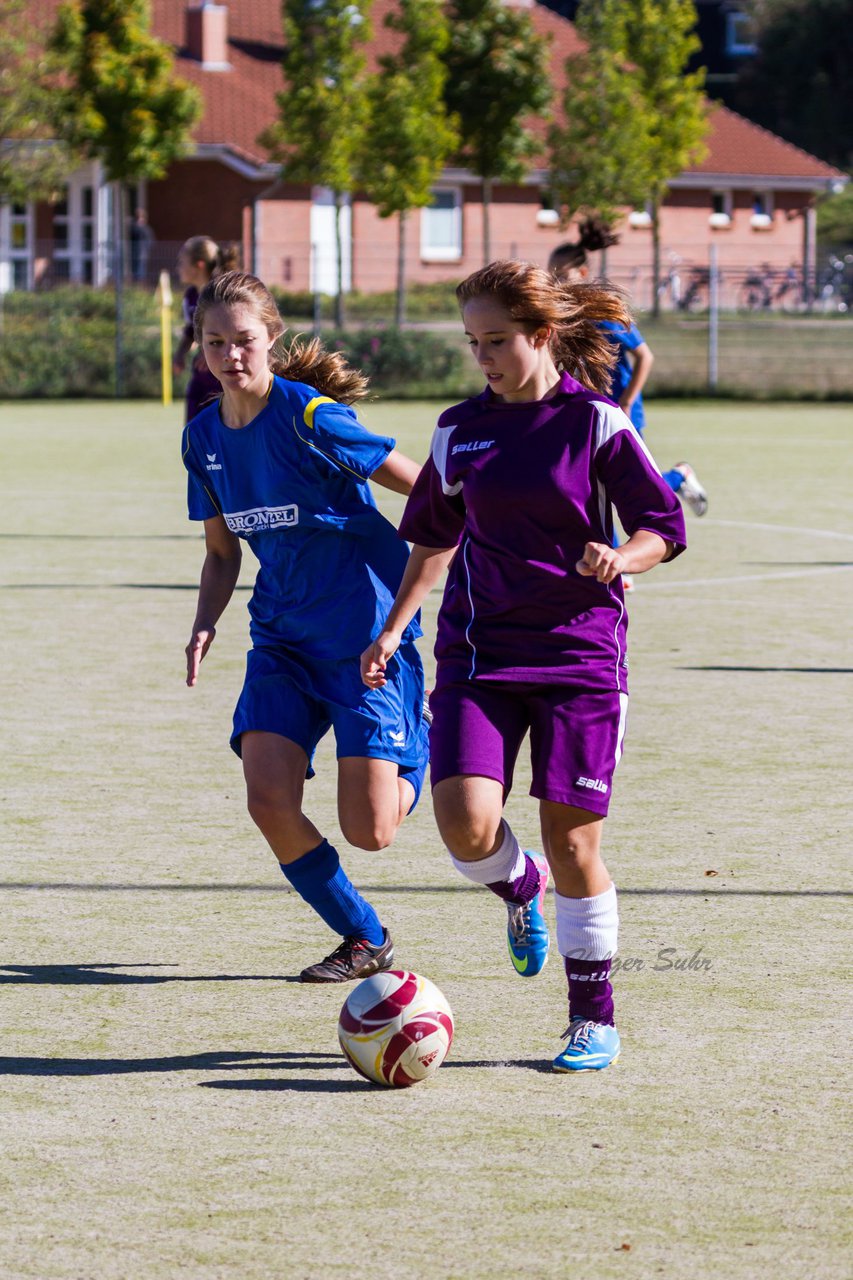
(506, 863)
(588, 928)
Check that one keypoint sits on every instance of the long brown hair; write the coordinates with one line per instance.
(536, 298)
(217, 258)
(300, 360)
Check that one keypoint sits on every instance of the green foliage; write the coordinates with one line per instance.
(31, 167)
(408, 364)
(799, 82)
(323, 110)
(656, 39)
(835, 218)
(119, 99)
(410, 133)
(596, 164)
(498, 77)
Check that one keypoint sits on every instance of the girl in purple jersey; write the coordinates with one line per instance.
(199, 260)
(515, 500)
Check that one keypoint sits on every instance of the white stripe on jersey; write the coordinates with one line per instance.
(610, 420)
(438, 449)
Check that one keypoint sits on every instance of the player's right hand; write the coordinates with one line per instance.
(200, 642)
(376, 657)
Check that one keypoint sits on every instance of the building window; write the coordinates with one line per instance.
(441, 226)
(77, 254)
(762, 211)
(721, 209)
(16, 247)
(740, 35)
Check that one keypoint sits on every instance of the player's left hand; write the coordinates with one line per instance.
(601, 562)
(376, 657)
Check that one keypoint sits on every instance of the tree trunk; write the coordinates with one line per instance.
(340, 315)
(487, 232)
(656, 259)
(118, 282)
(400, 313)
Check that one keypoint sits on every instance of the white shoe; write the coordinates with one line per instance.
(691, 490)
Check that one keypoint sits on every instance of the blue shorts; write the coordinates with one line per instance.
(290, 695)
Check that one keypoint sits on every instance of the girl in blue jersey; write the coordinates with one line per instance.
(280, 462)
(634, 357)
(515, 500)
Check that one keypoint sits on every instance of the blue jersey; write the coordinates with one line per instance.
(293, 485)
(625, 340)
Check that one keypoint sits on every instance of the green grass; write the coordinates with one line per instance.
(173, 1105)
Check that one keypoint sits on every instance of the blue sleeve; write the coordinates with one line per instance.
(200, 501)
(628, 338)
(334, 432)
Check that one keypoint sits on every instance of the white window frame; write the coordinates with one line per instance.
(721, 218)
(10, 254)
(76, 252)
(439, 253)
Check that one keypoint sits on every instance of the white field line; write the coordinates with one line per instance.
(782, 528)
(686, 583)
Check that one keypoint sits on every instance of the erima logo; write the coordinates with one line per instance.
(260, 519)
(472, 446)
(397, 737)
(213, 465)
(591, 784)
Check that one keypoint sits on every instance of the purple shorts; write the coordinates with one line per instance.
(575, 737)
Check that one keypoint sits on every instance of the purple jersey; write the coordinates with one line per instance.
(521, 488)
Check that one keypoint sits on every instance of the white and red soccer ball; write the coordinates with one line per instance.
(395, 1028)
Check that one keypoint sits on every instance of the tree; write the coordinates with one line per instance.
(32, 165)
(498, 77)
(596, 163)
(798, 83)
(323, 111)
(655, 39)
(410, 133)
(121, 103)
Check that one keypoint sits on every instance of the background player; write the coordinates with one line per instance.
(634, 357)
(199, 260)
(516, 497)
(280, 463)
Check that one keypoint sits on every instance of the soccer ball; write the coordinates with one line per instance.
(395, 1028)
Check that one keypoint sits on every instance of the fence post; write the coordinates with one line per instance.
(713, 319)
(164, 289)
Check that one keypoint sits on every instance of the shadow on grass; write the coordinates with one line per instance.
(363, 1086)
(97, 975)
(809, 671)
(236, 1061)
(82, 886)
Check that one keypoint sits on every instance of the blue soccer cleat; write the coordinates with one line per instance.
(527, 932)
(592, 1046)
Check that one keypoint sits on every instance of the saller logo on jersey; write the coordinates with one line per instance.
(472, 446)
(262, 518)
(592, 784)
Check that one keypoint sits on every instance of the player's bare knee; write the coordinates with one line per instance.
(367, 832)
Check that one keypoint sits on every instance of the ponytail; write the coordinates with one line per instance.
(300, 361)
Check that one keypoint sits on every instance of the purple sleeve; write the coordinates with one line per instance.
(632, 482)
(433, 517)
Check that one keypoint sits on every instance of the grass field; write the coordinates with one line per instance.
(174, 1103)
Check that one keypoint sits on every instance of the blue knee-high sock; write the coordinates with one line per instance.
(674, 479)
(319, 878)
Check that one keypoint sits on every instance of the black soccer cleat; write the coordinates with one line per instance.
(354, 958)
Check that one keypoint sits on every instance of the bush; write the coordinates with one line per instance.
(406, 364)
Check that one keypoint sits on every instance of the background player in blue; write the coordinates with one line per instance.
(279, 462)
(634, 357)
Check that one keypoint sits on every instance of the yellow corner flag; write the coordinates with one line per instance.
(164, 292)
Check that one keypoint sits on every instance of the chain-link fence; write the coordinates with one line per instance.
(756, 331)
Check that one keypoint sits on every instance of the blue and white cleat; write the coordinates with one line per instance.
(592, 1046)
(527, 932)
